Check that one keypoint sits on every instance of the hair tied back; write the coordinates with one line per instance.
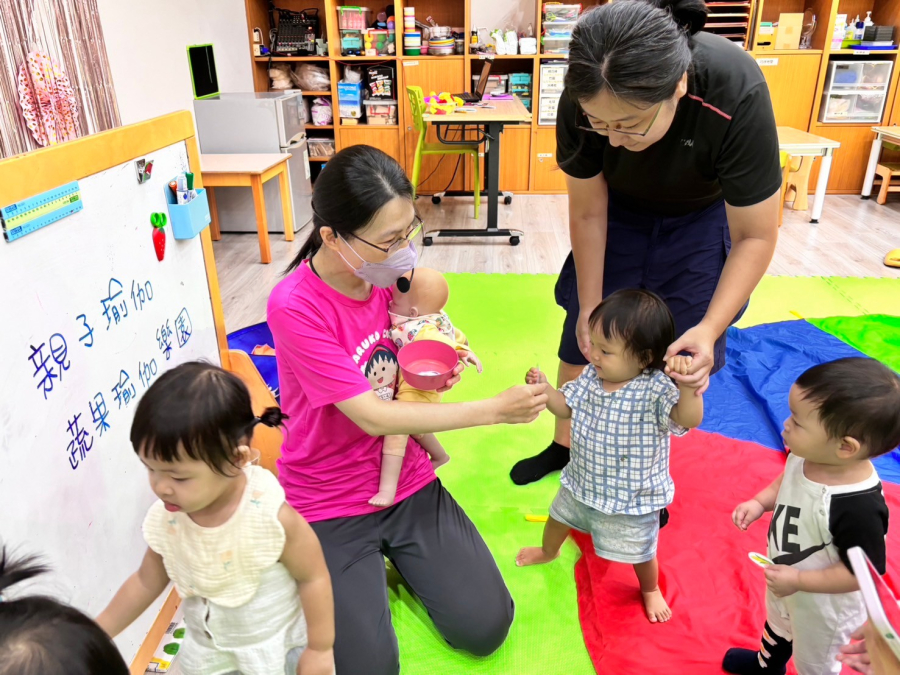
(689, 14)
(272, 417)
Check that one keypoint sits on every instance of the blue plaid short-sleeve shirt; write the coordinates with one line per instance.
(620, 442)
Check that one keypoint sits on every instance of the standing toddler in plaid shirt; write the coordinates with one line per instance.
(623, 408)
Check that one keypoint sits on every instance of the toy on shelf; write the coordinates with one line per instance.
(281, 76)
(443, 103)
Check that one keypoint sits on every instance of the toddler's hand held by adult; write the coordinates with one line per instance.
(699, 342)
(520, 404)
(535, 376)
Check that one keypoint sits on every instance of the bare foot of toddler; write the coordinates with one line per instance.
(534, 555)
(383, 498)
(657, 609)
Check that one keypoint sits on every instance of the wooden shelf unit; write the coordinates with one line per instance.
(796, 80)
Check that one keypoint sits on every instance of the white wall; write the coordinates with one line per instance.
(493, 14)
(146, 41)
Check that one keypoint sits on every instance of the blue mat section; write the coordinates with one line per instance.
(748, 399)
(248, 338)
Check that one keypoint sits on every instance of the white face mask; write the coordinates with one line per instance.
(386, 273)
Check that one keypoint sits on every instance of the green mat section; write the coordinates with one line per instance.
(788, 298)
(513, 324)
(877, 336)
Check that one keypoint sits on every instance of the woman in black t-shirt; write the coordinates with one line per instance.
(668, 141)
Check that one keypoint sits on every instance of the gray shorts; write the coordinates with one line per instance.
(621, 538)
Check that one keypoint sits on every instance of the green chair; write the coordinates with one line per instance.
(417, 106)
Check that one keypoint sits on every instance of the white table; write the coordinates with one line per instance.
(891, 135)
(798, 143)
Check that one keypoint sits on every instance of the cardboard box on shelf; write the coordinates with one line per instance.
(787, 34)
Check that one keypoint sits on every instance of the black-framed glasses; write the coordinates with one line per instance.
(605, 131)
(413, 230)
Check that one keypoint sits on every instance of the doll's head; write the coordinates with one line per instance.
(428, 293)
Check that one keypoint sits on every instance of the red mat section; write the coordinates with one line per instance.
(716, 594)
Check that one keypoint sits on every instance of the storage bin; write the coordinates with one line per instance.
(188, 220)
(381, 112)
(561, 29)
(855, 91)
(351, 40)
(520, 79)
(555, 45)
(554, 11)
(320, 147)
(354, 18)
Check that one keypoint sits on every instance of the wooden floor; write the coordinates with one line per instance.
(851, 240)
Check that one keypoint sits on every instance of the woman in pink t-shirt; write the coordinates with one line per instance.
(337, 372)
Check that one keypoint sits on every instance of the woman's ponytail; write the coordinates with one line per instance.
(689, 14)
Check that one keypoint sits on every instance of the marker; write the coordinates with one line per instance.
(190, 180)
(532, 518)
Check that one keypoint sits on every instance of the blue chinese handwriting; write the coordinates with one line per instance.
(164, 340)
(47, 373)
(99, 413)
(124, 391)
(89, 335)
(147, 371)
(141, 294)
(183, 328)
(113, 308)
(80, 444)
(60, 350)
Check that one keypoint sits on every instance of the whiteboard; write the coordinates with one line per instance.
(91, 318)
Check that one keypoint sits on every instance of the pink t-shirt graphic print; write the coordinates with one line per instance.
(330, 348)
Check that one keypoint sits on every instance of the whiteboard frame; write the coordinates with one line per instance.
(32, 173)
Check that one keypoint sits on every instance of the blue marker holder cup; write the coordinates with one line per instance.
(188, 220)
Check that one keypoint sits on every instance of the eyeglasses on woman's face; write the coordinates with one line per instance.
(414, 228)
(607, 130)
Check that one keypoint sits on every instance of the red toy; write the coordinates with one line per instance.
(159, 220)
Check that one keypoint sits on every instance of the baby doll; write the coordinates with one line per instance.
(417, 313)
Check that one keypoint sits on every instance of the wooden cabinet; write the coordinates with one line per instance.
(383, 139)
(548, 177)
(432, 74)
(515, 152)
(792, 82)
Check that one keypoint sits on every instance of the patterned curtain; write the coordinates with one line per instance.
(55, 81)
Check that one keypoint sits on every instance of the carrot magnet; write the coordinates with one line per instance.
(159, 220)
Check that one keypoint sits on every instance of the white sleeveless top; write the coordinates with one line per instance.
(241, 606)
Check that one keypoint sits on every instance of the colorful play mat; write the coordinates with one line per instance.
(581, 614)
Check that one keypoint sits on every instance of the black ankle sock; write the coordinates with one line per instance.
(553, 458)
(775, 652)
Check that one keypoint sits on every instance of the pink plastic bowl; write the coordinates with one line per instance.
(427, 364)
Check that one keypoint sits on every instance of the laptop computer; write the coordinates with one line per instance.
(482, 84)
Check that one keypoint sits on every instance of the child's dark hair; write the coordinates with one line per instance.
(857, 397)
(641, 320)
(41, 636)
(198, 411)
